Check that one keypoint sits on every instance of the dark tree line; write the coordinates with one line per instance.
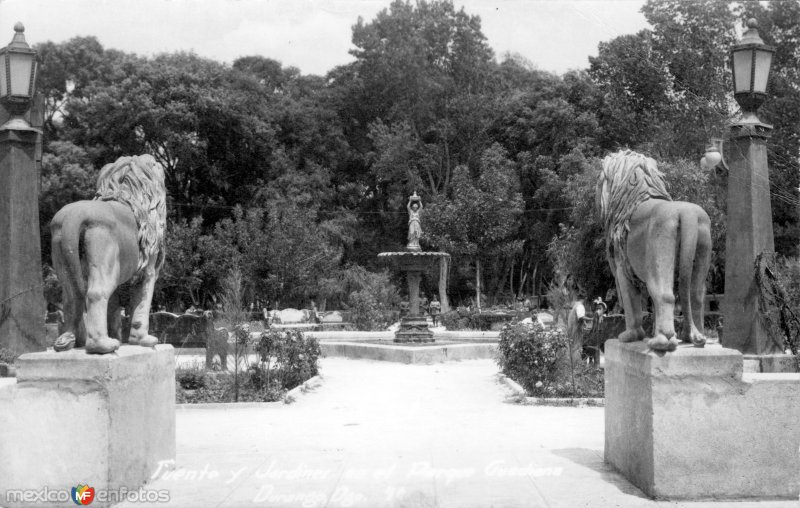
(300, 180)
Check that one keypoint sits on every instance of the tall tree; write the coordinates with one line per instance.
(480, 220)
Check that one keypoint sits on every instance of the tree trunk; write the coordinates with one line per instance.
(511, 276)
(444, 268)
(478, 283)
(498, 280)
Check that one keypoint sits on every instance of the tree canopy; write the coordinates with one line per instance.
(299, 181)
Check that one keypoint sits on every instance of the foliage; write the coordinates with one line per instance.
(530, 354)
(7, 356)
(235, 318)
(777, 300)
(301, 180)
(286, 357)
(190, 378)
(480, 220)
(538, 359)
(286, 360)
(788, 274)
(452, 321)
(366, 313)
(579, 248)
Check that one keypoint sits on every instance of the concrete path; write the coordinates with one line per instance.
(379, 434)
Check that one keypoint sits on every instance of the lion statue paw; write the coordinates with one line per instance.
(661, 343)
(631, 335)
(101, 346)
(146, 341)
(65, 342)
(698, 339)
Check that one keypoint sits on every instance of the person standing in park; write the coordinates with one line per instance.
(435, 308)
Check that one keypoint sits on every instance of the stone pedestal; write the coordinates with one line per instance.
(775, 364)
(22, 310)
(414, 329)
(691, 425)
(106, 421)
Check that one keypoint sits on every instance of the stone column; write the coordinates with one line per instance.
(22, 309)
(413, 327)
(414, 277)
(749, 234)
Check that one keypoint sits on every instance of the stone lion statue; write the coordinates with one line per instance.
(98, 245)
(647, 234)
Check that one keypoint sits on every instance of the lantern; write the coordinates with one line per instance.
(17, 76)
(751, 60)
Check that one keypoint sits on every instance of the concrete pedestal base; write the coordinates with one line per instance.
(691, 425)
(71, 419)
(775, 364)
(414, 329)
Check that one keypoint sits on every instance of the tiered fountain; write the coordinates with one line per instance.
(413, 261)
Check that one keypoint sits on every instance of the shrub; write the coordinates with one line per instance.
(530, 355)
(286, 360)
(366, 312)
(538, 359)
(450, 320)
(7, 356)
(486, 320)
(285, 357)
(191, 378)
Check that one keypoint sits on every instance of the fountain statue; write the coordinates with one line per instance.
(413, 261)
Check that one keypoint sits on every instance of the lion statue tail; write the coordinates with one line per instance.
(67, 236)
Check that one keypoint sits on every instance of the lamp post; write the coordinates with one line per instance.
(748, 208)
(22, 309)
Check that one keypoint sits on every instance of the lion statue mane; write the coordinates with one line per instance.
(100, 244)
(647, 235)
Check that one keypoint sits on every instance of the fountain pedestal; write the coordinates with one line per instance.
(414, 327)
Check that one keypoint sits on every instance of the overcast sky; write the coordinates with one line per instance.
(314, 35)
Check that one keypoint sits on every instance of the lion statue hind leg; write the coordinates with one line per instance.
(631, 298)
(694, 262)
(141, 298)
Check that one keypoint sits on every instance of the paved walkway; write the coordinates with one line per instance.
(379, 434)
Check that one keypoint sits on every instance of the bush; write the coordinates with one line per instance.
(191, 378)
(286, 360)
(451, 320)
(530, 355)
(366, 313)
(539, 360)
(7, 356)
(287, 357)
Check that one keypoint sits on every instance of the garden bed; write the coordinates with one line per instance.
(520, 396)
(543, 364)
(284, 360)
